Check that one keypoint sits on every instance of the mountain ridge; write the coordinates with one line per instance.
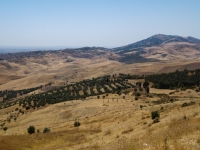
(156, 40)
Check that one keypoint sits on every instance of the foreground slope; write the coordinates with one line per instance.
(110, 123)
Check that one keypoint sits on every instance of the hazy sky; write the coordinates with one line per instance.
(106, 23)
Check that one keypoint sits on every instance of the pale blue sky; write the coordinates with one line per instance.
(108, 23)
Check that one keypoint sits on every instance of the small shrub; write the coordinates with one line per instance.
(184, 105)
(155, 114)
(2, 124)
(31, 130)
(77, 124)
(46, 130)
(5, 128)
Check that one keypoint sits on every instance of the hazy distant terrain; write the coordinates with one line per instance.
(159, 53)
(14, 49)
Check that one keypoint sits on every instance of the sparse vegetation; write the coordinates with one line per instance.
(155, 114)
(46, 130)
(77, 124)
(31, 130)
(187, 104)
(5, 129)
(116, 89)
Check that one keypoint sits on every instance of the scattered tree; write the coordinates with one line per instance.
(31, 130)
(155, 114)
(5, 128)
(77, 124)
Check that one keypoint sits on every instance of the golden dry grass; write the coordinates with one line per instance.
(104, 125)
(129, 129)
(179, 133)
(48, 141)
(108, 125)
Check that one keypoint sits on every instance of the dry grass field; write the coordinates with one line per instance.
(116, 122)
(110, 123)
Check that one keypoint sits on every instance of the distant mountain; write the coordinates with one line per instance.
(16, 49)
(91, 48)
(156, 40)
(83, 52)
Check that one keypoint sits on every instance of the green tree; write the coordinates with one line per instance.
(31, 130)
(145, 84)
(77, 124)
(155, 114)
